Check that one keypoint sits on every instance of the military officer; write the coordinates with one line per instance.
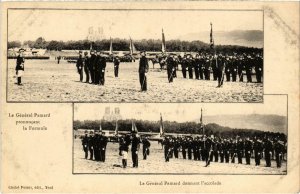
(268, 148)
(279, 150)
(92, 67)
(249, 62)
(102, 66)
(79, 65)
(91, 144)
(258, 148)
(248, 150)
(135, 147)
(240, 149)
(190, 65)
(146, 147)
(170, 68)
(116, 66)
(184, 66)
(102, 146)
(259, 68)
(85, 143)
(20, 66)
(86, 63)
(197, 66)
(143, 70)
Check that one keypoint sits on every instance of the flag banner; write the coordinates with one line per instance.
(211, 37)
(161, 130)
(163, 45)
(110, 47)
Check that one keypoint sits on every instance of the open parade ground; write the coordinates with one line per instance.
(47, 81)
(156, 164)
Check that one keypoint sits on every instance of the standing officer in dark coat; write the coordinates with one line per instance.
(249, 62)
(220, 69)
(214, 67)
(241, 68)
(143, 70)
(135, 146)
(97, 68)
(190, 65)
(240, 150)
(184, 66)
(170, 68)
(96, 146)
(102, 66)
(190, 148)
(197, 66)
(92, 66)
(207, 68)
(208, 144)
(268, 147)
(86, 62)
(91, 144)
(233, 150)
(201, 66)
(85, 143)
(183, 148)
(259, 68)
(102, 146)
(167, 148)
(20, 67)
(258, 148)
(146, 147)
(116, 66)
(279, 150)
(228, 67)
(79, 65)
(248, 150)
(175, 66)
(226, 150)
(234, 68)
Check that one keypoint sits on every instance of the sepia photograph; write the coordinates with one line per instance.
(66, 55)
(181, 138)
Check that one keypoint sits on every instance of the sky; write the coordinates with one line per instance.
(181, 112)
(73, 24)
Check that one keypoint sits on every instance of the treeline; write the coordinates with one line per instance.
(123, 45)
(174, 127)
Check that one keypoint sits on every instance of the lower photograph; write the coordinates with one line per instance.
(181, 138)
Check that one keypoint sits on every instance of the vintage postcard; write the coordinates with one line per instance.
(150, 97)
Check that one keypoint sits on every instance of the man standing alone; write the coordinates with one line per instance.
(143, 70)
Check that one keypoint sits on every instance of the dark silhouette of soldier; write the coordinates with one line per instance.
(249, 68)
(197, 66)
(220, 68)
(248, 150)
(79, 65)
(96, 146)
(228, 68)
(258, 148)
(135, 146)
(183, 148)
(146, 147)
(234, 68)
(184, 66)
(240, 149)
(97, 68)
(268, 147)
(259, 68)
(190, 65)
(279, 150)
(86, 63)
(91, 145)
(58, 59)
(102, 147)
(201, 67)
(170, 68)
(226, 150)
(85, 143)
(207, 67)
(167, 148)
(102, 66)
(143, 70)
(116, 66)
(92, 68)
(20, 67)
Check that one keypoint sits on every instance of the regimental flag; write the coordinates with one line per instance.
(116, 130)
(91, 46)
(134, 128)
(163, 44)
(100, 128)
(131, 47)
(110, 47)
(161, 128)
(201, 124)
(211, 37)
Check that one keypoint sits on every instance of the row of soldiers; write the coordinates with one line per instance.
(95, 144)
(210, 149)
(231, 68)
(93, 67)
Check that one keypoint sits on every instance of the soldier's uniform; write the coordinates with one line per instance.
(91, 144)
(214, 67)
(222, 151)
(241, 68)
(97, 68)
(249, 62)
(146, 148)
(208, 143)
(116, 66)
(234, 68)
(79, 65)
(123, 151)
(102, 146)
(167, 149)
(96, 146)
(85, 143)
(86, 63)
(207, 67)
(176, 147)
(259, 68)
(248, 150)
(258, 148)
(102, 70)
(184, 66)
(190, 65)
(240, 150)
(216, 150)
(228, 68)
(227, 151)
(170, 68)
(143, 70)
(175, 66)
(92, 67)
(233, 151)
(195, 149)
(279, 150)
(20, 67)
(268, 148)
(220, 67)
(201, 67)
(190, 148)
(183, 148)
(135, 146)
(197, 66)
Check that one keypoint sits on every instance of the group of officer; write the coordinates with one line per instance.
(211, 149)
(221, 66)
(93, 67)
(95, 144)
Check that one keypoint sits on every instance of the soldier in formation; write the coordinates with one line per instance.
(20, 67)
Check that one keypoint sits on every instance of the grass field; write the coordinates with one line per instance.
(45, 80)
(155, 164)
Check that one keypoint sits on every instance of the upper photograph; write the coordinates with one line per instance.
(125, 55)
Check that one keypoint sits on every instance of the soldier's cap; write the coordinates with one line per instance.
(91, 132)
(85, 132)
(80, 52)
(21, 50)
(92, 51)
(85, 53)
